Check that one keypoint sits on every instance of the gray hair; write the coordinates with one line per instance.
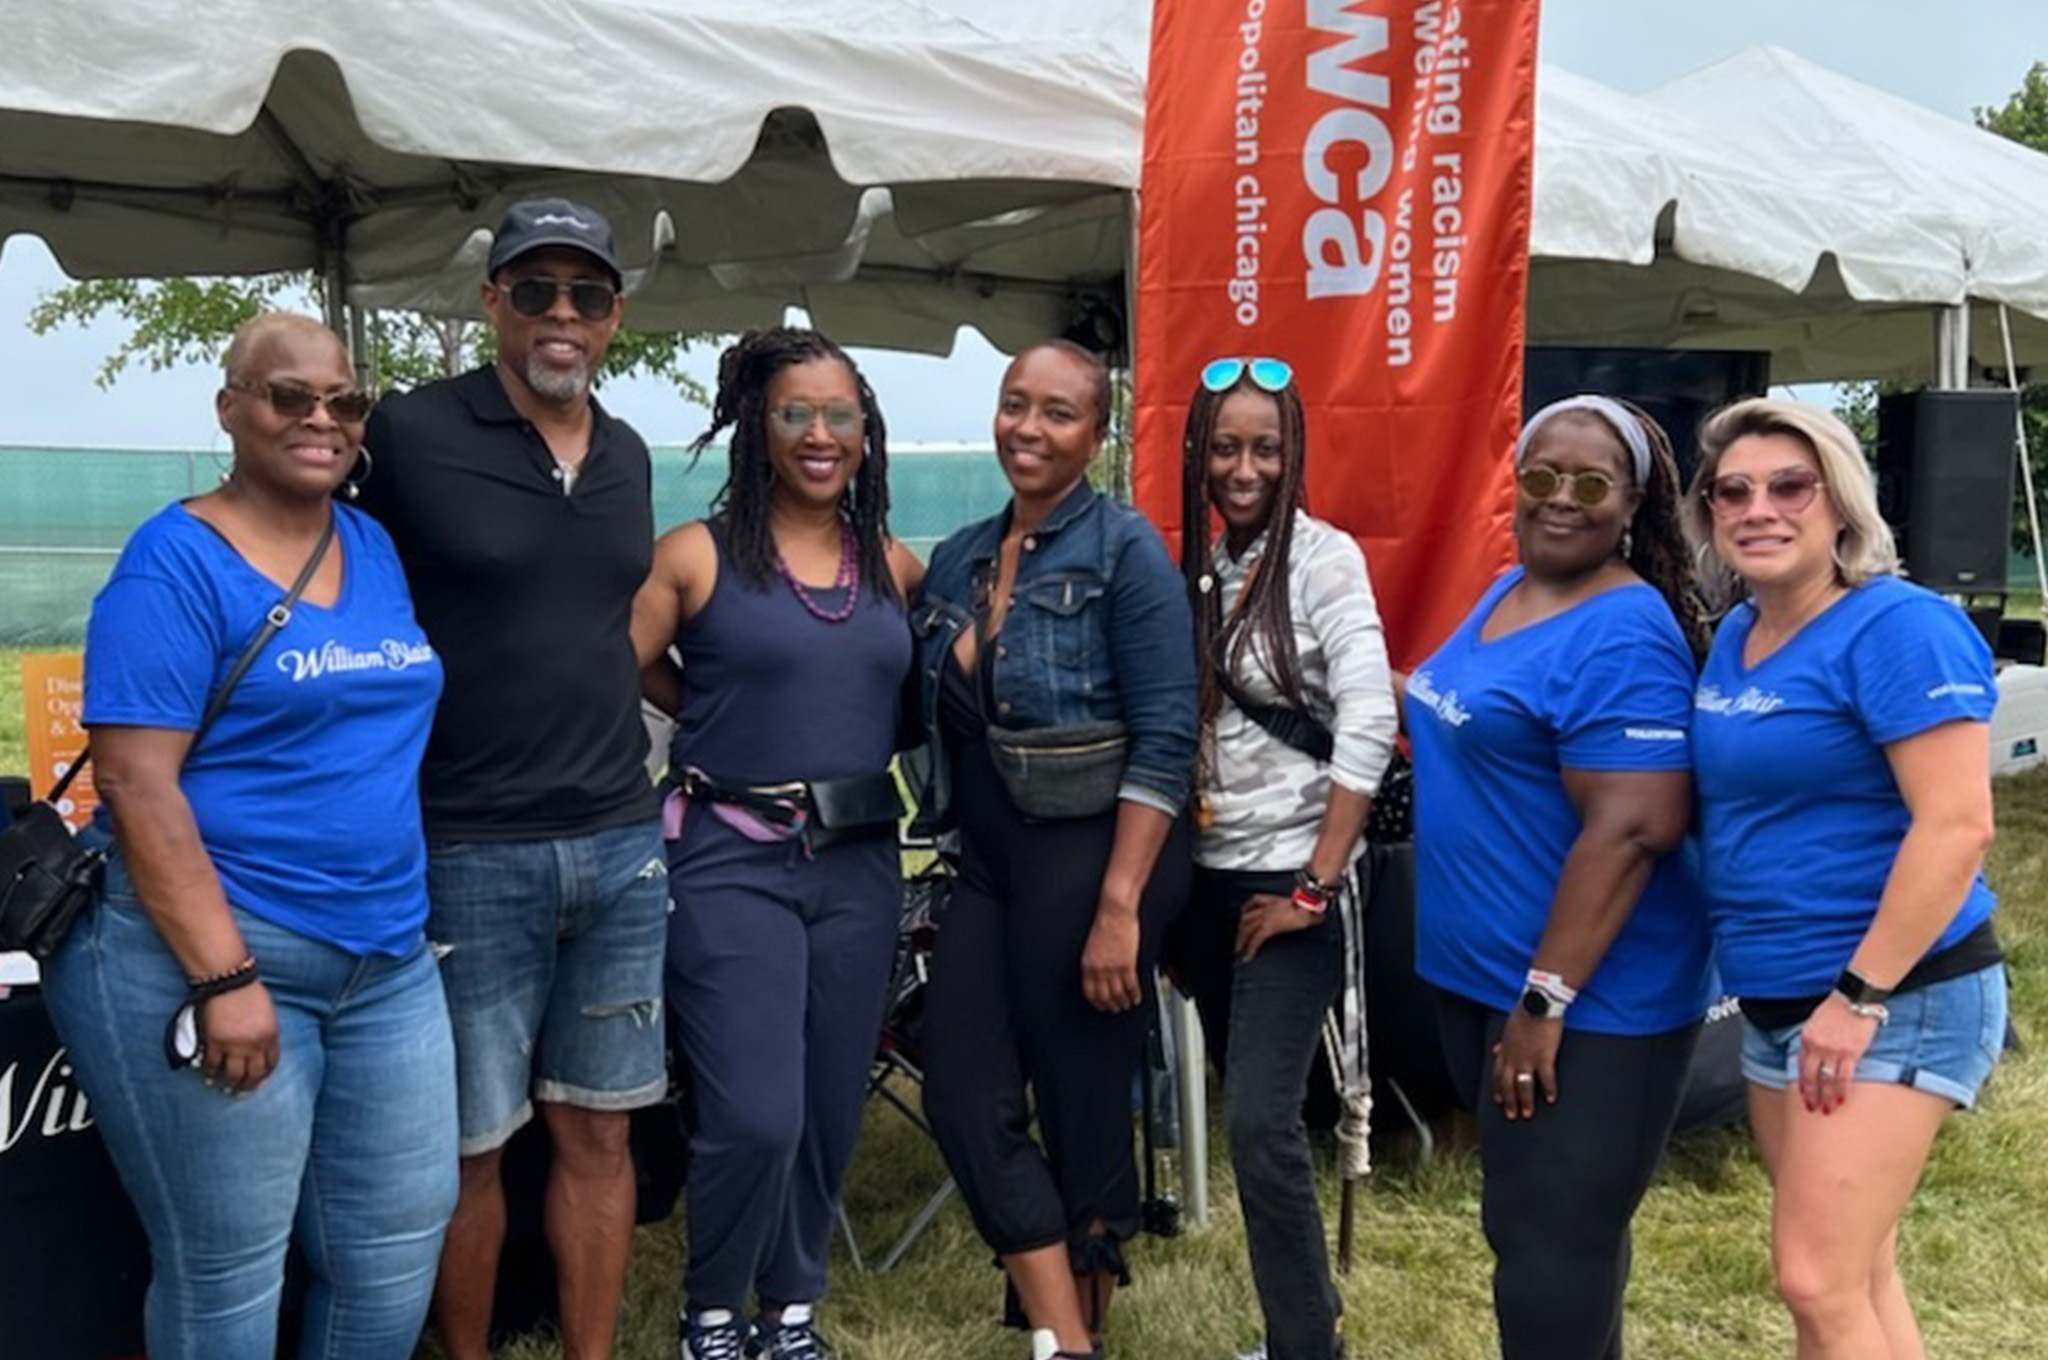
(1865, 547)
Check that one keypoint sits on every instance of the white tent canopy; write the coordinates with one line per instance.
(1981, 200)
(885, 163)
(1659, 224)
(900, 169)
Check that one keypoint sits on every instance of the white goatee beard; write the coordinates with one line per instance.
(558, 384)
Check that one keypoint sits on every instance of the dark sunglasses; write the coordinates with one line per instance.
(1588, 488)
(294, 402)
(1791, 490)
(593, 299)
(794, 420)
(1269, 375)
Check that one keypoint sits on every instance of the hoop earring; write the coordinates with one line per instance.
(1628, 542)
(351, 485)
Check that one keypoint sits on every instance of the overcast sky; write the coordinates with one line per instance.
(1949, 58)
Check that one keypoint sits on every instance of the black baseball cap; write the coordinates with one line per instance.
(538, 223)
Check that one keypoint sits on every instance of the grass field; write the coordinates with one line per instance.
(1975, 1244)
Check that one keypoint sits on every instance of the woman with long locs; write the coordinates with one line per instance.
(787, 607)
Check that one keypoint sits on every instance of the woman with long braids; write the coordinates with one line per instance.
(787, 607)
(1297, 726)
(1568, 944)
(1058, 688)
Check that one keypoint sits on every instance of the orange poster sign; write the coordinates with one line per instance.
(53, 693)
(1345, 184)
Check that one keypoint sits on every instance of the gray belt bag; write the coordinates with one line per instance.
(1053, 773)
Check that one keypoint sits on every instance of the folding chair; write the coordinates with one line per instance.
(925, 895)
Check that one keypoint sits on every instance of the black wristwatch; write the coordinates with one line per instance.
(1859, 992)
(1542, 1004)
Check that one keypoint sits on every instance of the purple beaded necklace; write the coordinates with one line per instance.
(847, 579)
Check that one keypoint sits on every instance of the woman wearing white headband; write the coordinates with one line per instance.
(1568, 945)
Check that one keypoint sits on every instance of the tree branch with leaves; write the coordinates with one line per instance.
(172, 322)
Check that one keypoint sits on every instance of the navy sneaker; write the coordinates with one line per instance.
(794, 1340)
(713, 1335)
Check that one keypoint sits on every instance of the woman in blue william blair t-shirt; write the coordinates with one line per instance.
(268, 884)
(1567, 944)
(1845, 806)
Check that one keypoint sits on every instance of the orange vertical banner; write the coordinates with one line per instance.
(53, 697)
(1345, 184)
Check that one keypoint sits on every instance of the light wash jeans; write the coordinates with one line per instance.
(349, 1146)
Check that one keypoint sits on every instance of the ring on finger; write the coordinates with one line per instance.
(1827, 1071)
(1525, 1078)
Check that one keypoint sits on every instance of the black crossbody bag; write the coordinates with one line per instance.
(1392, 818)
(47, 877)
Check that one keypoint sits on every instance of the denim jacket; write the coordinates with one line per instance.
(1098, 630)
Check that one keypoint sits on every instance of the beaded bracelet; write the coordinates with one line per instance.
(247, 965)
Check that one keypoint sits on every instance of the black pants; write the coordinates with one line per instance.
(1561, 1188)
(1262, 1022)
(1005, 1013)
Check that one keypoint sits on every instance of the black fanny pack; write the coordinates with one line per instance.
(834, 811)
(1053, 773)
(852, 808)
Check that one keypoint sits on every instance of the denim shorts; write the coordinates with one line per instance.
(1943, 1039)
(551, 952)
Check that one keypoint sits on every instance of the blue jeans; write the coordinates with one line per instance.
(349, 1146)
(551, 951)
(1943, 1039)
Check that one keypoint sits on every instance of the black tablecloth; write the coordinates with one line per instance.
(73, 1262)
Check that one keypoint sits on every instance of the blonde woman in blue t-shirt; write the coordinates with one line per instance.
(1845, 807)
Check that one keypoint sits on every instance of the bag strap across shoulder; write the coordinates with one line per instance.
(1289, 725)
(280, 614)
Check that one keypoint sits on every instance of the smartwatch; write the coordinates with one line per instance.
(1545, 994)
(1858, 991)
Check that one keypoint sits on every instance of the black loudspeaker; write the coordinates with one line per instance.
(2022, 640)
(1679, 388)
(1944, 483)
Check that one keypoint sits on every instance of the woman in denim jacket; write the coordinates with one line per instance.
(1053, 618)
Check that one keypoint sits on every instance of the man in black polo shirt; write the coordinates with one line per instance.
(524, 516)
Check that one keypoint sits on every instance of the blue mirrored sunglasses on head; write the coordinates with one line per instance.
(1271, 375)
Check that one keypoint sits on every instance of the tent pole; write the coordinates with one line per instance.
(1127, 473)
(1952, 347)
(1193, 1052)
(344, 320)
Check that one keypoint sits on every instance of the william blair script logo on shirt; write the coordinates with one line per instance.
(1446, 706)
(303, 664)
(1752, 700)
